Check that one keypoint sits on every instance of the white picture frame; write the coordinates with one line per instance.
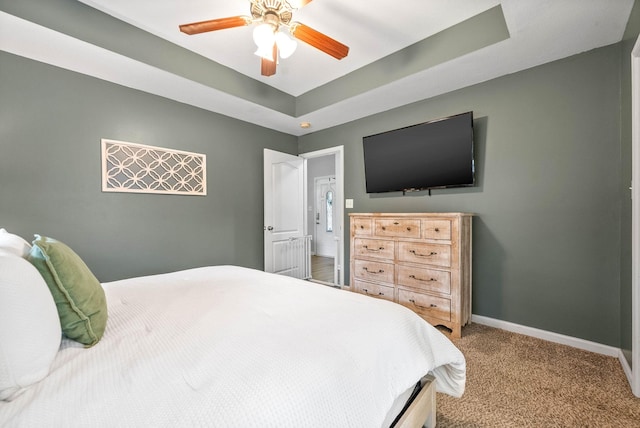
(139, 168)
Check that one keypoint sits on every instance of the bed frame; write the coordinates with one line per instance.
(421, 412)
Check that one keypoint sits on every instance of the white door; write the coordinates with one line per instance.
(325, 189)
(284, 203)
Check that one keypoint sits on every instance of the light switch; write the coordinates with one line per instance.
(348, 203)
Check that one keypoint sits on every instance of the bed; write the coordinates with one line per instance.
(227, 346)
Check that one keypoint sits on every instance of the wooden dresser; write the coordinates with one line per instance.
(420, 260)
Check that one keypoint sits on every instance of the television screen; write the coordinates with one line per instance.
(429, 155)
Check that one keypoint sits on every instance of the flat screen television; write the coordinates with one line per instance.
(434, 154)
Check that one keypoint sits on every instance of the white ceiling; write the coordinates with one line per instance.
(540, 31)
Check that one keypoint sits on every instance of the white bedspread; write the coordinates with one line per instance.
(227, 346)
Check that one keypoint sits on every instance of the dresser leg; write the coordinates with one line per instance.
(456, 332)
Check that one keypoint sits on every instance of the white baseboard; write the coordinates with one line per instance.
(626, 367)
(553, 337)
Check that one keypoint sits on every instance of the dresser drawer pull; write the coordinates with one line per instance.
(436, 230)
(366, 291)
(432, 253)
(373, 272)
(385, 228)
(423, 280)
(423, 307)
(375, 250)
(396, 223)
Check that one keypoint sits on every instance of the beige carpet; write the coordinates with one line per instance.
(518, 381)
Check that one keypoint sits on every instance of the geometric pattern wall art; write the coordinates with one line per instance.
(137, 168)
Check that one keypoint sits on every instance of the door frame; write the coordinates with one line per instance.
(338, 153)
(634, 370)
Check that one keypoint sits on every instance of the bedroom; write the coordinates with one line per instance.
(553, 166)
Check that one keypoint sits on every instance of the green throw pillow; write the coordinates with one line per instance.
(79, 297)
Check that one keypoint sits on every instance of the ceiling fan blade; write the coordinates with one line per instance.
(268, 68)
(215, 24)
(319, 41)
(299, 3)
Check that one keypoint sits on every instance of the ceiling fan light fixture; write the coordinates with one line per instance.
(265, 52)
(286, 45)
(264, 36)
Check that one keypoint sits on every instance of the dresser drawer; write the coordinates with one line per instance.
(430, 254)
(374, 248)
(361, 226)
(400, 227)
(436, 229)
(374, 271)
(425, 304)
(425, 279)
(374, 290)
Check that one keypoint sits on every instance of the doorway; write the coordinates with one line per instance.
(323, 234)
(324, 213)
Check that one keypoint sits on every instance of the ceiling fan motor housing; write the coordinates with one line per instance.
(274, 12)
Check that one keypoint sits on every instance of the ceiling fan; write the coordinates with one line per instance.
(272, 42)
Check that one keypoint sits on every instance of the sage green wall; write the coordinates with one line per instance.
(546, 239)
(51, 124)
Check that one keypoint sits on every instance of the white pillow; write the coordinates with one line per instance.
(13, 244)
(30, 332)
